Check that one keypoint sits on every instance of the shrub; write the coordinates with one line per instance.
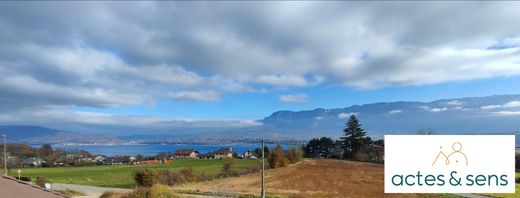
(113, 194)
(167, 177)
(144, 177)
(27, 179)
(227, 169)
(276, 158)
(40, 181)
(294, 155)
(140, 193)
(161, 191)
(361, 156)
(188, 174)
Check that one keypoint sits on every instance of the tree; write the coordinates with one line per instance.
(323, 147)
(276, 158)
(355, 138)
(45, 150)
(258, 152)
(294, 155)
(379, 142)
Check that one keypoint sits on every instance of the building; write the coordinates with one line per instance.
(115, 160)
(186, 154)
(32, 162)
(248, 154)
(12, 188)
(223, 153)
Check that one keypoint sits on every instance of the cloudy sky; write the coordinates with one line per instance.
(149, 64)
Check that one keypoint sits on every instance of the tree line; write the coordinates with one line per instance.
(353, 145)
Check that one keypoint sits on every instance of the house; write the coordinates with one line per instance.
(114, 160)
(99, 158)
(223, 153)
(59, 162)
(32, 162)
(248, 154)
(186, 154)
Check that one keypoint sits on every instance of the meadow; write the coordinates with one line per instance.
(120, 176)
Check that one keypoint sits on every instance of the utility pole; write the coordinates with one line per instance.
(263, 169)
(5, 156)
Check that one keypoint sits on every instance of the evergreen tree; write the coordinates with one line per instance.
(355, 137)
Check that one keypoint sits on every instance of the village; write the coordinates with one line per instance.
(84, 158)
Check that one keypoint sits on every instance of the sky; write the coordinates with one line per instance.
(88, 65)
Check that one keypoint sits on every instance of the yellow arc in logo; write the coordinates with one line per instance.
(457, 150)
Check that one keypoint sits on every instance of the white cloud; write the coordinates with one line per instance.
(455, 103)
(346, 115)
(512, 104)
(293, 98)
(283, 80)
(438, 109)
(506, 113)
(204, 95)
(395, 111)
(491, 106)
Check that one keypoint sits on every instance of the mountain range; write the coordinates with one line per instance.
(498, 114)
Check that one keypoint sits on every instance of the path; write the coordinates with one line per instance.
(91, 191)
(96, 192)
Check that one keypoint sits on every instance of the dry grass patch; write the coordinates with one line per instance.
(309, 178)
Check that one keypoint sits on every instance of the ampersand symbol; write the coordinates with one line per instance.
(453, 178)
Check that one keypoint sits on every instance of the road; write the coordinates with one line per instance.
(91, 191)
(96, 192)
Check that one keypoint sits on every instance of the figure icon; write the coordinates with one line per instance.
(455, 157)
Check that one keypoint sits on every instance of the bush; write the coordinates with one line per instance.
(161, 191)
(40, 181)
(276, 158)
(188, 174)
(227, 169)
(294, 155)
(144, 177)
(361, 156)
(27, 179)
(112, 194)
(140, 193)
(167, 177)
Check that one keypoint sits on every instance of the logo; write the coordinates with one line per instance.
(457, 151)
(449, 164)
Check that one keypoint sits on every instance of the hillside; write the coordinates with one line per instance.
(38, 135)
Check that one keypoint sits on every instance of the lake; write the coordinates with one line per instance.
(154, 149)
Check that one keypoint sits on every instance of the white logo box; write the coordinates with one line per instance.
(474, 155)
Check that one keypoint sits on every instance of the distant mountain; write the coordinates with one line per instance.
(37, 135)
(475, 115)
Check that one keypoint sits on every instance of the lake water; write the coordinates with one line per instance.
(154, 149)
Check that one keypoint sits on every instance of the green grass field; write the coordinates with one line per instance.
(120, 176)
